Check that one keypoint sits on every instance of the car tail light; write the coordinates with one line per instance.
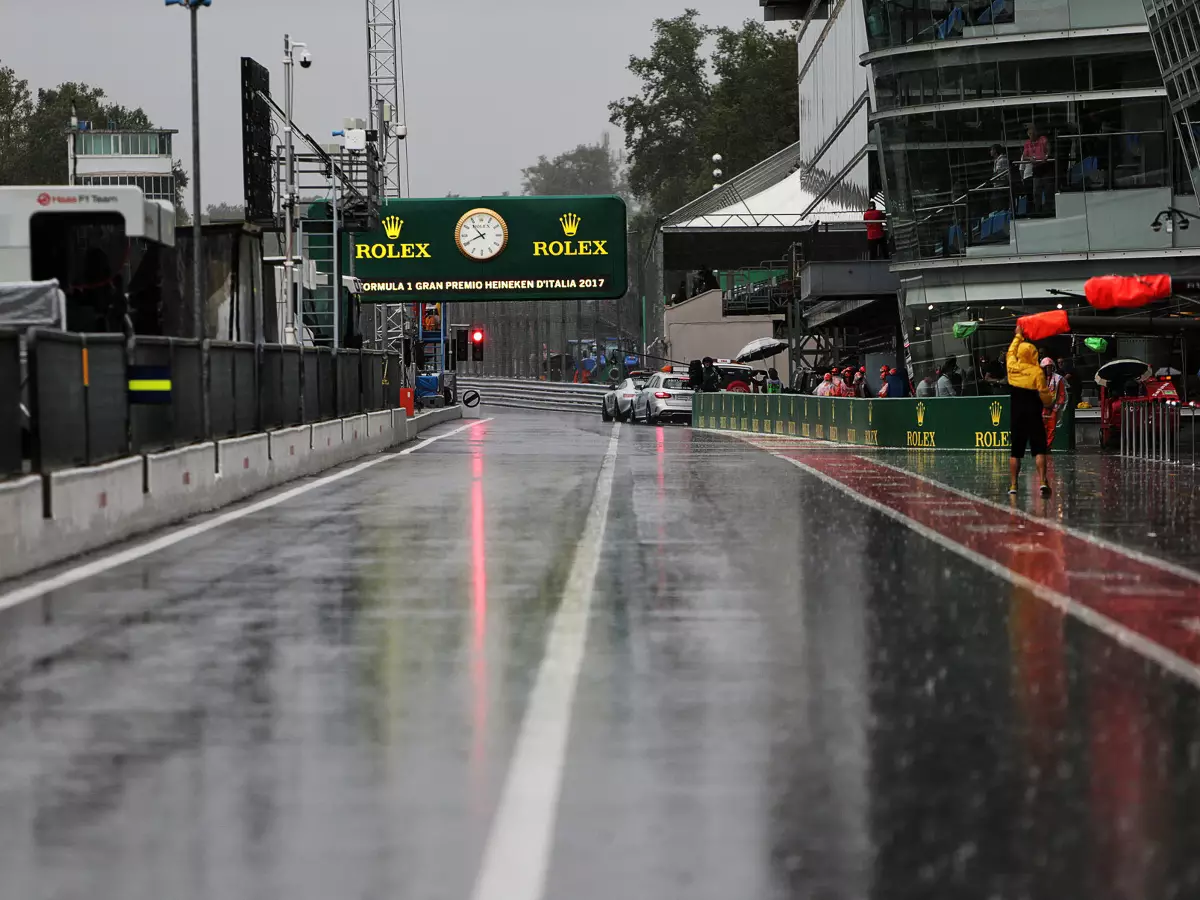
(628, 396)
(662, 395)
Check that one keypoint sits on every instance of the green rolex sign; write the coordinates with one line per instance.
(494, 248)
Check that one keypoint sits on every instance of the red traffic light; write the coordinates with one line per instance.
(477, 336)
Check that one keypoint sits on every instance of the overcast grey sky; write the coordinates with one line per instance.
(491, 83)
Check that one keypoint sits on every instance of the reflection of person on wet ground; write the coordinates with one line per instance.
(1028, 396)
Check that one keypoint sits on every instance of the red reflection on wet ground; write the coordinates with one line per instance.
(660, 448)
(479, 611)
(1151, 600)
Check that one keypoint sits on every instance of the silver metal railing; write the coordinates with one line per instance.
(1152, 430)
(528, 393)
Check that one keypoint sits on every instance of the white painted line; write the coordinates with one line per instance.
(104, 564)
(1173, 663)
(1092, 539)
(517, 857)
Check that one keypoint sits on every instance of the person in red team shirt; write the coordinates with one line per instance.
(876, 238)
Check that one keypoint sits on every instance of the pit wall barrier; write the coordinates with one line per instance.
(47, 519)
(942, 423)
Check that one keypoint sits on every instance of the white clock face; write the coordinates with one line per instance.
(482, 235)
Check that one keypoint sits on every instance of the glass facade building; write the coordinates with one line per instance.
(1022, 128)
(1175, 36)
(1025, 146)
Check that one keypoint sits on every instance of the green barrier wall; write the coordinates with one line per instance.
(947, 423)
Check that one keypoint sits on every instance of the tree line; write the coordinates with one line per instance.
(33, 129)
(704, 91)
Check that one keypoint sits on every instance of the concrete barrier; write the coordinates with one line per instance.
(243, 467)
(379, 430)
(99, 505)
(432, 417)
(290, 450)
(179, 483)
(399, 427)
(20, 524)
(354, 438)
(94, 506)
(326, 446)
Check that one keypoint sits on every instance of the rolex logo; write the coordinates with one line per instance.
(996, 409)
(392, 226)
(920, 415)
(570, 224)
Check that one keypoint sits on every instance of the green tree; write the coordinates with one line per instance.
(225, 212)
(663, 123)
(16, 106)
(46, 143)
(755, 106)
(588, 169)
(742, 102)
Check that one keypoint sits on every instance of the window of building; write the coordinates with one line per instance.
(1023, 179)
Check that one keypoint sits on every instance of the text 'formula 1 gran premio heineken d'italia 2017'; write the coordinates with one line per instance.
(494, 248)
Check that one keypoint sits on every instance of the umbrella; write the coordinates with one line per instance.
(1120, 370)
(1098, 344)
(761, 348)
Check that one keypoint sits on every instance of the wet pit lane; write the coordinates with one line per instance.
(406, 684)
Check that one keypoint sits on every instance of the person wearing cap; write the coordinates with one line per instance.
(839, 386)
(1056, 383)
(860, 382)
(825, 388)
(896, 384)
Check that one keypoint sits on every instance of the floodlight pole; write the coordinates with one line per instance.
(197, 210)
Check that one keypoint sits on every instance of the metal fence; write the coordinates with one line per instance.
(93, 398)
(520, 393)
(1152, 430)
(11, 454)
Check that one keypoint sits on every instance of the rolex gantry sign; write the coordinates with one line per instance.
(494, 248)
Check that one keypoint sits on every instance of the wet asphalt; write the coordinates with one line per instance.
(783, 694)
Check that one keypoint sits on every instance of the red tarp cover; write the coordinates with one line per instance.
(1039, 326)
(1126, 291)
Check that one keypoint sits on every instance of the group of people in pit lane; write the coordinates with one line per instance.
(852, 382)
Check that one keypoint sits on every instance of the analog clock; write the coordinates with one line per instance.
(482, 234)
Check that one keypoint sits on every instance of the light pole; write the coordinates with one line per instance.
(197, 232)
(291, 329)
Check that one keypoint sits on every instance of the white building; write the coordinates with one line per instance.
(117, 158)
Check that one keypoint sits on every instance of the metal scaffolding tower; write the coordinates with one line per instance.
(385, 83)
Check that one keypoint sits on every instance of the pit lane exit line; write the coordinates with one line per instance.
(1143, 606)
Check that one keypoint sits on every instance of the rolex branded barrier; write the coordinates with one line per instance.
(944, 423)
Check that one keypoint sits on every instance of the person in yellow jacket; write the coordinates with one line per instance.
(1029, 395)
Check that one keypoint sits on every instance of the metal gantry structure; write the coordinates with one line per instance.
(385, 82)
